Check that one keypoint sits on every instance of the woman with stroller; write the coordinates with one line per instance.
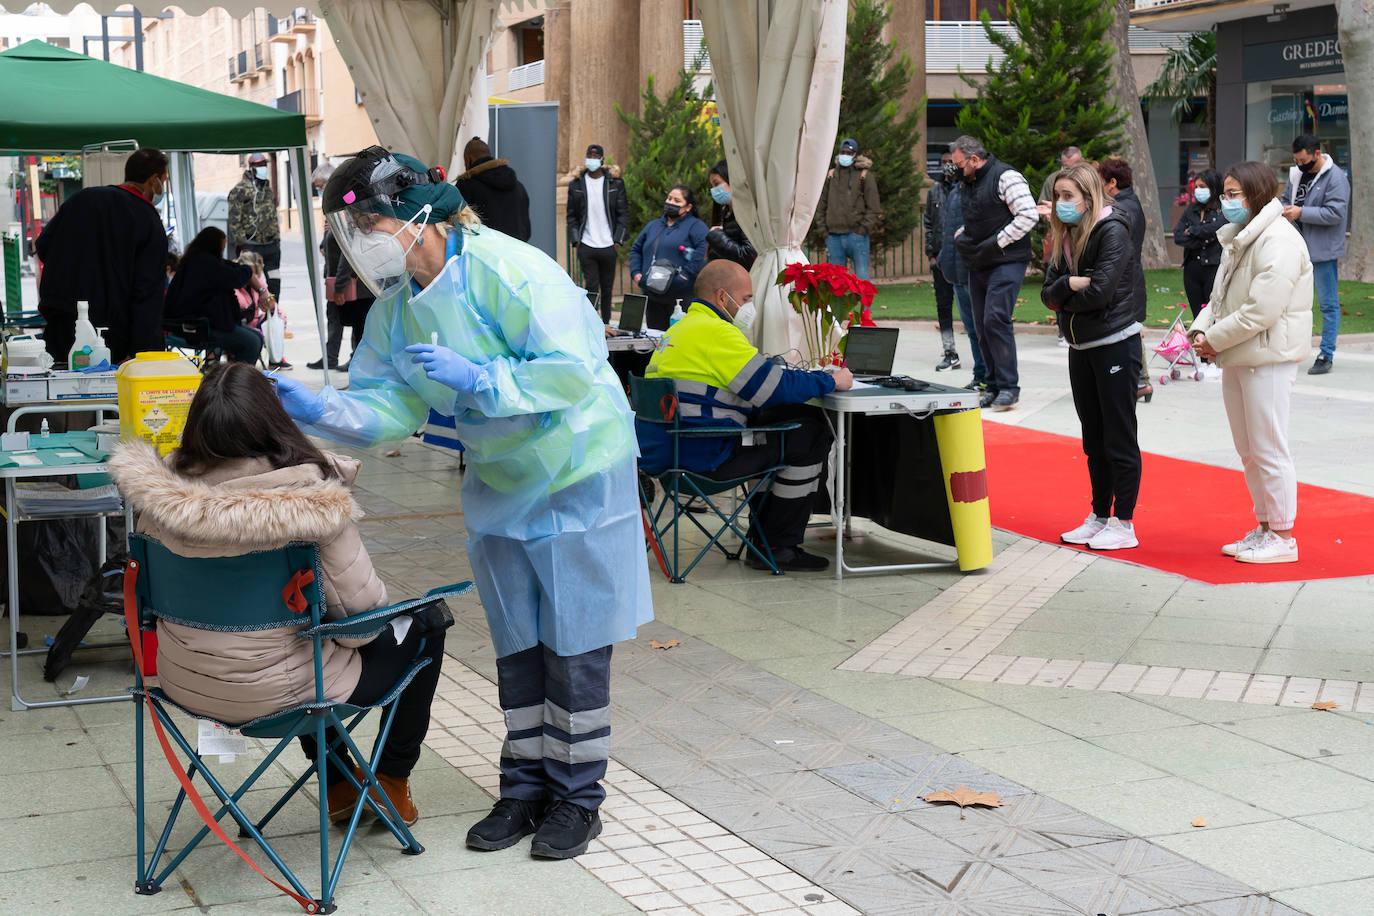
(1089, 281)
(245, 478)
(1196, 234)
(1258, 328)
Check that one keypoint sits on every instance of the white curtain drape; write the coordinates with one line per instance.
(413, 69)
(777, 66)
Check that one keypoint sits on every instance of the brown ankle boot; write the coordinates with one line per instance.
(341, 797)
(397, 789)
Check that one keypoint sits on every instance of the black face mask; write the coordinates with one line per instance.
(1311, 165)
(949, 170)
(672, 211)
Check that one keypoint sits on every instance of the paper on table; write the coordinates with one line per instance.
(858, 385)
(26, 461)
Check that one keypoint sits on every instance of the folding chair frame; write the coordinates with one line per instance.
(318, 717)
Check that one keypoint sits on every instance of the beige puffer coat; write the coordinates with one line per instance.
(241, 506)
(1260, 310)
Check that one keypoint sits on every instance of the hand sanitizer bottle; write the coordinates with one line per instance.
(677, 315)
(86, 339)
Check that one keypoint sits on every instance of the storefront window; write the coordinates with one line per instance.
(1277, 111)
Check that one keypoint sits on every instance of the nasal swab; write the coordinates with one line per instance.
(434, 339)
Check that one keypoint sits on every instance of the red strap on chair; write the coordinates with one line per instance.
(193, 796)
(668, 406)
(292, 594)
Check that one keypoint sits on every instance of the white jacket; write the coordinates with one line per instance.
(1260, 311)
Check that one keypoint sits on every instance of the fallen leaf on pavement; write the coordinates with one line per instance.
(963, 797)
(394, 453)
(1325, 705)
(655, 644)
(1199, 822)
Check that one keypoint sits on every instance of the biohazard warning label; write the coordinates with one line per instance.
(155, 420)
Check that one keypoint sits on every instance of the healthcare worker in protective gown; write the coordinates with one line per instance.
(487, 329)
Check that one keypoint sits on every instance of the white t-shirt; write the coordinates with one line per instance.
(597, 232)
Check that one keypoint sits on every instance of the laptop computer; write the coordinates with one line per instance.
(870, 352)
(632, 315)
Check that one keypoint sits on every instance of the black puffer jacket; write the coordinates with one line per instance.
(729, 241)
(491, 188)
(1196, 234)
(1106, 306)
(204, 288)
(1129, 205)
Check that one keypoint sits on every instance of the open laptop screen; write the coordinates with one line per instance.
(632, 313)
(870, 351)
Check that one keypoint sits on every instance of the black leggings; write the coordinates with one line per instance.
(1103, 381)
(383, 661)
(1197, 283)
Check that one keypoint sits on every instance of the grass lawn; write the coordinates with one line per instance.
(917, 300)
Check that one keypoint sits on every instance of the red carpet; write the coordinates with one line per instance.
(1038, 487)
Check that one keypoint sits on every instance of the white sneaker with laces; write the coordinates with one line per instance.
(1250, 540)
(1084, 532)
(1270, 549)
(1115, 535)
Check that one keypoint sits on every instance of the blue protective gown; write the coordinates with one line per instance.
(550, 498)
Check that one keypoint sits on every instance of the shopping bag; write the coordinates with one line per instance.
(276, 337)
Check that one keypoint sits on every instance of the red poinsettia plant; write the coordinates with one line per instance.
(830, 299)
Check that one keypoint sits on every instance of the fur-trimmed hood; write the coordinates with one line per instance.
(494, 172)
(243, 503)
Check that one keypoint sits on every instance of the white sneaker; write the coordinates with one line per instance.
(1270, 549)
(1063, 344)
(1084, 532)
(1250, 540)
(1211, 370)
(1115, 535)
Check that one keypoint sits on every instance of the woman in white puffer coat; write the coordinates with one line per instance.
(1257, 326)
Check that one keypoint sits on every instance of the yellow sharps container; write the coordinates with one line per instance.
(959, 437)
(155, 392)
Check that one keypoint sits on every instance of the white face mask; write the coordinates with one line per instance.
(593, 164)
(260, 172)
(744, 314)
(382, 256)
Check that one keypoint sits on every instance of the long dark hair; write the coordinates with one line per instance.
(209, 240)
(1212, 179)
(236, 414)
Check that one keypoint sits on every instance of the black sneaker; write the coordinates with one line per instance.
(791, 559)
(1321, 366)
(1005, 400)
(509, 820)
(566, 832)
(988, 397)
(977, 385)
(951, 361)
(319, 364)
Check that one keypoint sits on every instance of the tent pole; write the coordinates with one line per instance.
(303, 199)
(184, 195)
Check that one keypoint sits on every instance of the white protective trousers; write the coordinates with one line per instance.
(1257, 402)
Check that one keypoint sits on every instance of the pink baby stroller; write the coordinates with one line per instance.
(1177, 354)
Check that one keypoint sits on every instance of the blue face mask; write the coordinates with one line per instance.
(845, 160)
(1067, 212)
(1235, 211)
(1202, 195)
(593, 165)
(720, 194)
(260, 172)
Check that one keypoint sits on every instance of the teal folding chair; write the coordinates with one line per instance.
(260, 591)
(655, 402)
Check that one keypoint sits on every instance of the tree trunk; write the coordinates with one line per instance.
(1135, 147)
(1355, 20)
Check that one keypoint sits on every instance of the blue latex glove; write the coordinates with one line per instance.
(446, 367)
(299, 401)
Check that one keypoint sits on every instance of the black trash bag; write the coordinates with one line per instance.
(56, 561)
(103, 594)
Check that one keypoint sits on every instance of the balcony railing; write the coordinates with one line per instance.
(694, 55)
(300, 102)
(233, 67)
(524, 76)
(954, 45)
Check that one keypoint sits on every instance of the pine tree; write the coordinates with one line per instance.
(1051, 90)
(672, 143)
(876, 77)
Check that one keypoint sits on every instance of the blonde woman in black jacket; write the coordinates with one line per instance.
(1089, 280)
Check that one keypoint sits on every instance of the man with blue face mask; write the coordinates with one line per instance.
(849, 209)
(598, 221)
(254, 224)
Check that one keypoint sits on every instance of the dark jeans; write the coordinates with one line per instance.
(271, 262)
(784, 512)
(944, 303)
(1103, 386)
(994, 292)
(1197, 283)
(980, 371)
(558, 725)
(241, 344)
(383, 661)
(598, 275)
(351, 315)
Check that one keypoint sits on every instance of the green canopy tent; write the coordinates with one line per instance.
(58, 101)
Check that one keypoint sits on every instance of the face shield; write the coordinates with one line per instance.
(377, 241)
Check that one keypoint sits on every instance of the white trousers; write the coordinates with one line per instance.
(1257, 401)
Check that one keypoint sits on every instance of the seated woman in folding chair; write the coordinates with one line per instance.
(246, 479)
(492, 332)
(204, 287)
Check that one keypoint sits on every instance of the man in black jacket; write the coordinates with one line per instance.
(999, 213)
(1117, 179)
(491, 188)
(598, 220)
(933, 221)
(107, 246)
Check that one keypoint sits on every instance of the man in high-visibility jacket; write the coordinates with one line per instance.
(723, 381)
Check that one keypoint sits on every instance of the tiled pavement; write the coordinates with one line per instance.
(757, 769)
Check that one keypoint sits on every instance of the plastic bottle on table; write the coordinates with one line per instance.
(86, 339)
(677, 315)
